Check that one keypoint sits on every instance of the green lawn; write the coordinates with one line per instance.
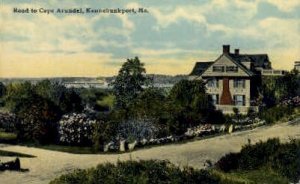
(14, 154)
(107, 101)
(68, 149)
(6, 137)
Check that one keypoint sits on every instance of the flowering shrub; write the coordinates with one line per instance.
(295, 101)
(8, 122)
(137, 129)
(76, 129)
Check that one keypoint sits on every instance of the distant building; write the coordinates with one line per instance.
(86, 84)
(297, 65)
(232, 79)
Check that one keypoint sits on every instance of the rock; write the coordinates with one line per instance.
(132, 146)
(107, 147)
(222, 128)
(143, 141)
(230, 129)
(122, 146)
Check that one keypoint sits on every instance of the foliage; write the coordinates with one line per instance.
(66, 99)
(229, 162)
(38, 120)
(141, 172)
(276, 88)
(39, 107)
(129, 82)
(2, 93)
(106, 103)
(2, 89)
(282, 158)
(261, 175)
(76, 129)
(149, 104)
(103, 132)
(17, 95)
(273, 114)
(190, 106)
(190, 94)
(8, 122)
(150, 107)
(137, 129)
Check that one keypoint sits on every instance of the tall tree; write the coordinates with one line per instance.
(129, 82)
(190, 95)
(68, 100)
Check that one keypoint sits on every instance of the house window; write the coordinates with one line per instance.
(239, 83)
(218, 68)
(231, 69)
(213, 83)
(214, 99)
(239, 100)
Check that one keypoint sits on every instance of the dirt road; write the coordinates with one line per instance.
(50, 164)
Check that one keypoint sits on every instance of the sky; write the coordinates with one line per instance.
(169, 39)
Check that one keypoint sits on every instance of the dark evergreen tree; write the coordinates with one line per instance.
(129, 82)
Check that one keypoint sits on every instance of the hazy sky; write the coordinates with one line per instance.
(169, 39)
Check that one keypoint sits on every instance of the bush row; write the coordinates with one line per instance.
(138, 172)
(282, 157)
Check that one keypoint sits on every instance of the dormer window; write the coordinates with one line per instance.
(218, 69)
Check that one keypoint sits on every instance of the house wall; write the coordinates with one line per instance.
(233, 91)
(241, 91)
(223, 60)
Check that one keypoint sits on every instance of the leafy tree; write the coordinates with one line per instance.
(103, 132)
(190, 94)
(148, 104)
(70, 101)
(2, 93)
(67, 99)
(17, 94)
(129, 82)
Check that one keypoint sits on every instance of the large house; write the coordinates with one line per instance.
(232, 80)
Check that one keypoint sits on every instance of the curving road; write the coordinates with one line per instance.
(50, 164)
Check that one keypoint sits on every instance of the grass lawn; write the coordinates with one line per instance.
(6, 137)
(259, 176)
(107, 101)
(68, 149)
(14, 154)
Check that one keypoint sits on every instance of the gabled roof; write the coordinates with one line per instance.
(258, 60)
(249, 72)
(200, 67)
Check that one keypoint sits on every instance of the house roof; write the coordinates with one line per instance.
(238, 63)
(200, 67)
(258, 60)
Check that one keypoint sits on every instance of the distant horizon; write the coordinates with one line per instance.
(53, 77)
(169, 38)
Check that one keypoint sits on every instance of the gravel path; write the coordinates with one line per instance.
(50, 164)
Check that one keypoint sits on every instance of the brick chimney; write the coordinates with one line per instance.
(226, 49)
(236, 51)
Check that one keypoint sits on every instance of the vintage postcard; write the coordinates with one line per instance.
(170, 91)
